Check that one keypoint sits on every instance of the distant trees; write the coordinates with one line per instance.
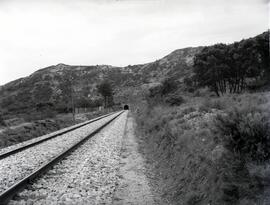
(67, 86)
(42, 92)
(166, 92)
(226, 68)
(83, 102)
(23, 100)
(105, 89)
(168, 85)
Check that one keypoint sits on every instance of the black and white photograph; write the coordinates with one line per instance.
(134, 102)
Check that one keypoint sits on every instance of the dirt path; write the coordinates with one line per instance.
(133, 184)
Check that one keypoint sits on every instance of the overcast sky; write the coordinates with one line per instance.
(39, 33)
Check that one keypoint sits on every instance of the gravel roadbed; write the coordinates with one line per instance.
(16, 146)
(19, 165)
(88, 176)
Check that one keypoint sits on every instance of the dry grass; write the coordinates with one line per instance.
(191, 162)
(27, 131)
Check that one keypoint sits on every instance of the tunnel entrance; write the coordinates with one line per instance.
(126, 107)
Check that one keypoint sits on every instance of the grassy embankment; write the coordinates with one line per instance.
(208, 150)
(27, 130)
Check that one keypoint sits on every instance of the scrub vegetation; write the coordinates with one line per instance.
(209, 150)
(208, 139)
(202, 115)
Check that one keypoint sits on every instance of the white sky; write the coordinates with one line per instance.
(39, 33)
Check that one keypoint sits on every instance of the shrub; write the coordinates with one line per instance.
(168, 85)
(39, 115)
(26, 132)
(188, 110)
(208, 104)
(217, 104)
(2, 121)
(193, 199)
(174, 100)
(246, 132)
(198, 164)
(202, 92)
(190, 90)
(155, 91)
(204, 108)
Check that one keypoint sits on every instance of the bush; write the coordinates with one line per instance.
(2, 121)
(26, 132)
(168, 85)
(208, 104)
(246, 132)
(174, 100)
(188, 110)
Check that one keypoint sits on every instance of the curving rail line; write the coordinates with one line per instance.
(7, 195)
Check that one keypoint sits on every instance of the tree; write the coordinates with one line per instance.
(210, 68)
(262, 46)
(168, 85)
(67, 85)
(228, 68)
(42, 93)
(105, 89)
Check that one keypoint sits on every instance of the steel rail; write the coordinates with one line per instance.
(7, 195)
(74, 127)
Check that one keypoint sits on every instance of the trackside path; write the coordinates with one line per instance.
(133, 186)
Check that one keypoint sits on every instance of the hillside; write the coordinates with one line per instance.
(19, 95)
(211, 145)
(202, 116)
(46, 85)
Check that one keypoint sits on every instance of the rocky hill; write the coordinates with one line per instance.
(48, 85)
(20, 95)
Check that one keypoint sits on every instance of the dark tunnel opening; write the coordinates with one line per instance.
(126, 107)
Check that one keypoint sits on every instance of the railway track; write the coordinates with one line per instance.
(25, 163)
(30, 143)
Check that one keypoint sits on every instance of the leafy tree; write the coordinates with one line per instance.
(226, 68)
(262, 46)
(83, 102)
(168, 85)
(42, 95)
(210, 68)
(24, 99)
(67, 87)
(105, 89)
(42, 92)
(174, 99)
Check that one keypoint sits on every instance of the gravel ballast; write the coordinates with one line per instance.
(89, 175)
(36, 139)
(19, 165)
